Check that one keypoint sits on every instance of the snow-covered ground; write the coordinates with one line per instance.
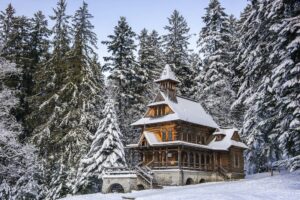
(285, 186)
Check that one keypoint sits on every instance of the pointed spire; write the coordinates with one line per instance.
(167, 74)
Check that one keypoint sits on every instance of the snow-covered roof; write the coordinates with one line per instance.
(184, 109)
(167, 74)
(223, 145)
(157, 103)
(227, 141)
(151, 137)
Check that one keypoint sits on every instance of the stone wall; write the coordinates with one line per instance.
(128, 182)
(168, 177)
(177, 177)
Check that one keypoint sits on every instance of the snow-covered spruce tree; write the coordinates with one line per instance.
(126, 76)
(176, 51)
(286, 74)
(17, 46)
(269, 78)
(61, 30)
(105, 151)
(6, 22)
(68, 106)
(151, 61)
(39, 36)
(214, 42)
(150, 54)
(196, 66)
(21, 176)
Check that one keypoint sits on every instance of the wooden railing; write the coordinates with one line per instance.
(223, 172)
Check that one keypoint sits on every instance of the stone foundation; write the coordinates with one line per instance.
(184, 177)
(168, 177)
(128, 182)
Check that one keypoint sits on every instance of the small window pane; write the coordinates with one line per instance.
(163, 135)
(170, 135)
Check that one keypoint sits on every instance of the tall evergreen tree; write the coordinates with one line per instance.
(61, 30)
(6, 23)
(214, 41)
(176, 51)
(69, 103)
(127, 76)
(21, 177)
(151, 61)
(269, 38)
(39, 36)
(105, 151)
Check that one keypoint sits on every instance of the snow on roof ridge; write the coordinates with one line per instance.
(187, 98)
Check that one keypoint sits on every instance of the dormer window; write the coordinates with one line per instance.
(159, 111)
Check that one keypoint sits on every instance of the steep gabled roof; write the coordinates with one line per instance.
(167, 74)
(184, 109)
(227, 141)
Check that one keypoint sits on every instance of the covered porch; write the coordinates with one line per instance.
(179, 157)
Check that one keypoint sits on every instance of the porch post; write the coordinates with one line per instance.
(179, 157)
(159, 158)
(205, 163)
(194, 155)
(199, 155)
(166, 157)
(188, 155)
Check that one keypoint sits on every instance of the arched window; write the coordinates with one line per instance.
(163, 135)
(170, 134)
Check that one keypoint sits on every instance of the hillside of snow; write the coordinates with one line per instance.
(284, 186)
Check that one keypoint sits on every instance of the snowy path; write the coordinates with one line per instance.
(257, 187)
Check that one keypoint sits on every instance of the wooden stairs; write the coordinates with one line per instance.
(147, 176)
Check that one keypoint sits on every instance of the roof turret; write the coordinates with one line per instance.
(167, 74)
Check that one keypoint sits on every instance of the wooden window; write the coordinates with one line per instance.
(202, 159)
(159, 111)
(207, 159)
(155, 112)
(183, 136)
(236, 160)
(198, 139)
(170, 134)
(163, 135)
(189, 138)
(202, 140)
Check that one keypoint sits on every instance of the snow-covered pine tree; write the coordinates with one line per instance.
(6, 23)
(21, 176)
(176, 51)
(61, 30)
(214, 42)
(105, 151)
(150, 54)
(126, 76)
(269, 38)
(196, 66)
(39, 36)
(286, 73)
(150, 58)
(67, 108)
